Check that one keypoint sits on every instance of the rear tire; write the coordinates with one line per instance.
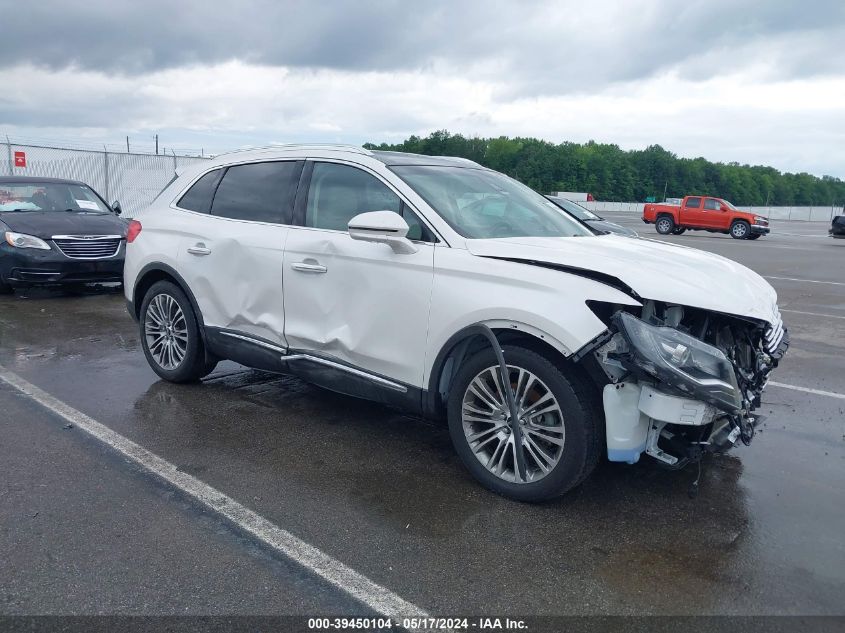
(170, 336)
(665, 224)
(740, 230)
(574, 449)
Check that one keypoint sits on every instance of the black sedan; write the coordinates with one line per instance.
(55, 231)
(591, 219)
(837, 227)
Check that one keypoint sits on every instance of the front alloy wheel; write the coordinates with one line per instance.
(551, 447)
(488, 427)
(740, 230)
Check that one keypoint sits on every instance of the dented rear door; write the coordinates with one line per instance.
(232, 257)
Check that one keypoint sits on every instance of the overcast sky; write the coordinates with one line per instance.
(759, 82)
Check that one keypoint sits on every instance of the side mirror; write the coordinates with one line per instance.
(116, 208)
(382, 227)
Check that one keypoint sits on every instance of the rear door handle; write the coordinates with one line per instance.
(305, 267)
(199, 249)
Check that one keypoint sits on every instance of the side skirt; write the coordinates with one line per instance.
(325, 372)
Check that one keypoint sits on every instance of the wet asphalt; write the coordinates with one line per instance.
(84, 531)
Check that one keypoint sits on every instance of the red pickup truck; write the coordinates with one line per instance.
(703, 213)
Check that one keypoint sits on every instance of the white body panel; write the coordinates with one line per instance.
(369, 306)
(234, 269)
(654, 270)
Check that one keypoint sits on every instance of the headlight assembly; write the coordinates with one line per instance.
(681, 361)
(21, 240)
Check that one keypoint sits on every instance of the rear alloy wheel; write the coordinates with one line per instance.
(665, 225)
(559, 440)
(740, 230)
(170, 336)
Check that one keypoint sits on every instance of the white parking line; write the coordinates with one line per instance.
(818, 314)
(344, 578)
(809, 281)
(818, 392)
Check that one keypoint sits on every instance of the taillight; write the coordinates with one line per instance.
(133, 231)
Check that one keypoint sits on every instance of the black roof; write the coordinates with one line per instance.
(403, 158)
(55, 181)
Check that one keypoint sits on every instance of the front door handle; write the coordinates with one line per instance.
(306, 267)
(199, 249)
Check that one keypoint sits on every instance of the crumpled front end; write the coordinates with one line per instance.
(682, 381)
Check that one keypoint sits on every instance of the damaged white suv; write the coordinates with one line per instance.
(448, 289)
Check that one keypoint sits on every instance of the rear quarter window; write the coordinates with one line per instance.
(198, 197)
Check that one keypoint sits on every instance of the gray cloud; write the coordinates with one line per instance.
(535, 47)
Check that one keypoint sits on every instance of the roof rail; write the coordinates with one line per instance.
(350, 148)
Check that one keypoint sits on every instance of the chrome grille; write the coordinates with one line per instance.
(88, 246)
(774, 335)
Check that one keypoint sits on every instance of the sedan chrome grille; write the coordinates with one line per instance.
(88, 246)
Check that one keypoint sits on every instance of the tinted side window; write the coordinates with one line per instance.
(261, 192)
(198, 197)
(712, 204)
(693, 203)
(338, 193)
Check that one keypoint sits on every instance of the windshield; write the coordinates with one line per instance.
(48, 196)
(575, 209)
(479, 203)
(729, 205)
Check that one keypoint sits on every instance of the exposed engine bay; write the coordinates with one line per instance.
(681, 381)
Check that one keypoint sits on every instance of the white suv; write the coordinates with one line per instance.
(402, 278)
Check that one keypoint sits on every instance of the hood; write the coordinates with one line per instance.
(46, 224)
(654, 270)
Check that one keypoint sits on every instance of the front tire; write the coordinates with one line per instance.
(740, 230)
(170, 335)
(665, 224)
(561, 433)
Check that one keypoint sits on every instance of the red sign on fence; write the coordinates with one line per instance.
(20, 159)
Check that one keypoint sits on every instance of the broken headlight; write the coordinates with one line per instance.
(681, 361)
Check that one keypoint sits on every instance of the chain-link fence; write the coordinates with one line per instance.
(132, 179)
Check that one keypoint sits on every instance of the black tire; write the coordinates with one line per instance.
(740, 230)
(583, 438)
(755, 236)
(678, 231)
(5, 289)
(195, 363)
(665, 224)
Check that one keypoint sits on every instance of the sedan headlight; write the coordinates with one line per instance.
(681, 361)
(21, 240)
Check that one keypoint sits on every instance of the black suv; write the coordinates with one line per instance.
(55, 231)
